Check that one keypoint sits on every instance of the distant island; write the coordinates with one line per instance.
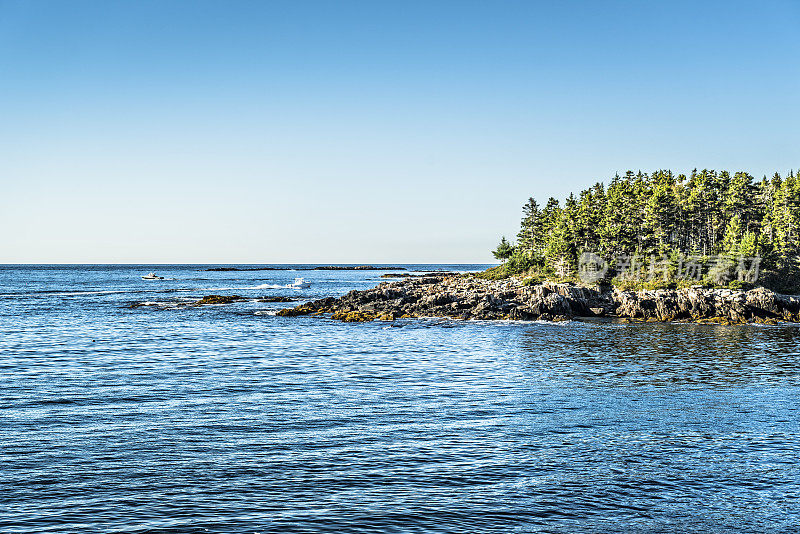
(705, 247)
(318, 268)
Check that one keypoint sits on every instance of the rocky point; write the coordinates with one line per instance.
(468, 297)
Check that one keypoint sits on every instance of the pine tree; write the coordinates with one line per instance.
(548, 219)
(786, 214)
(588, 217)
(561, 251)
(504, 250)
(526, 238)
(748, 245)
(766, 200)
(733, 236)
(661, 215)
(738, 200)
(619, 228)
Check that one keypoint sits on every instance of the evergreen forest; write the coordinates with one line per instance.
(711, 218)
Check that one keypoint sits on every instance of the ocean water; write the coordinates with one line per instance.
(169, 418)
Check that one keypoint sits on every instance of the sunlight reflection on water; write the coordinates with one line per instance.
(216, 419)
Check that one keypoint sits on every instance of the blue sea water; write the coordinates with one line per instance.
(169, 418)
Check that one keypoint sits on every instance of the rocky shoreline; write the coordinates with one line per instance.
(467, 297)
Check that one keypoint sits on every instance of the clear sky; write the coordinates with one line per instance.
(369, 131)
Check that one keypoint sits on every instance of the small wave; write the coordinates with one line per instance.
(62, 293)
(243, 288)
(266, 312)
(56, 401)
(157, 304)
(81, 293)
(78, 293)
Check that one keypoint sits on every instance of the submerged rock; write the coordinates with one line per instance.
(304, 309)
(353, 316)
(276, 299)
(466, 297)
(228, 299)
(219, 299)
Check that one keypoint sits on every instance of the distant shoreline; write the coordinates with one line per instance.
(318, 268)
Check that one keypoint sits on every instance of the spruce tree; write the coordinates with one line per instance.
(733, 236)
(526, 240)
(504, 250)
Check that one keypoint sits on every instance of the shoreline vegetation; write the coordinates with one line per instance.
(664, 231)
(708, 247)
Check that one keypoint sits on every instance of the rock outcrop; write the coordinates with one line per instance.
(467, 297)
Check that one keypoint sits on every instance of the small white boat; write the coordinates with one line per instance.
(300, 283)
(152, 276)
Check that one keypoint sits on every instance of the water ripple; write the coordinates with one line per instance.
(220, 420)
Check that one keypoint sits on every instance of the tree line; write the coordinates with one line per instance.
(661, 214)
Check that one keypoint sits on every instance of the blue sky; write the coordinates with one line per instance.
(365, 131)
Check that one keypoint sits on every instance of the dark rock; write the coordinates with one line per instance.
(305, 309)
(467, 297)
(228, 299)
(219, 299)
